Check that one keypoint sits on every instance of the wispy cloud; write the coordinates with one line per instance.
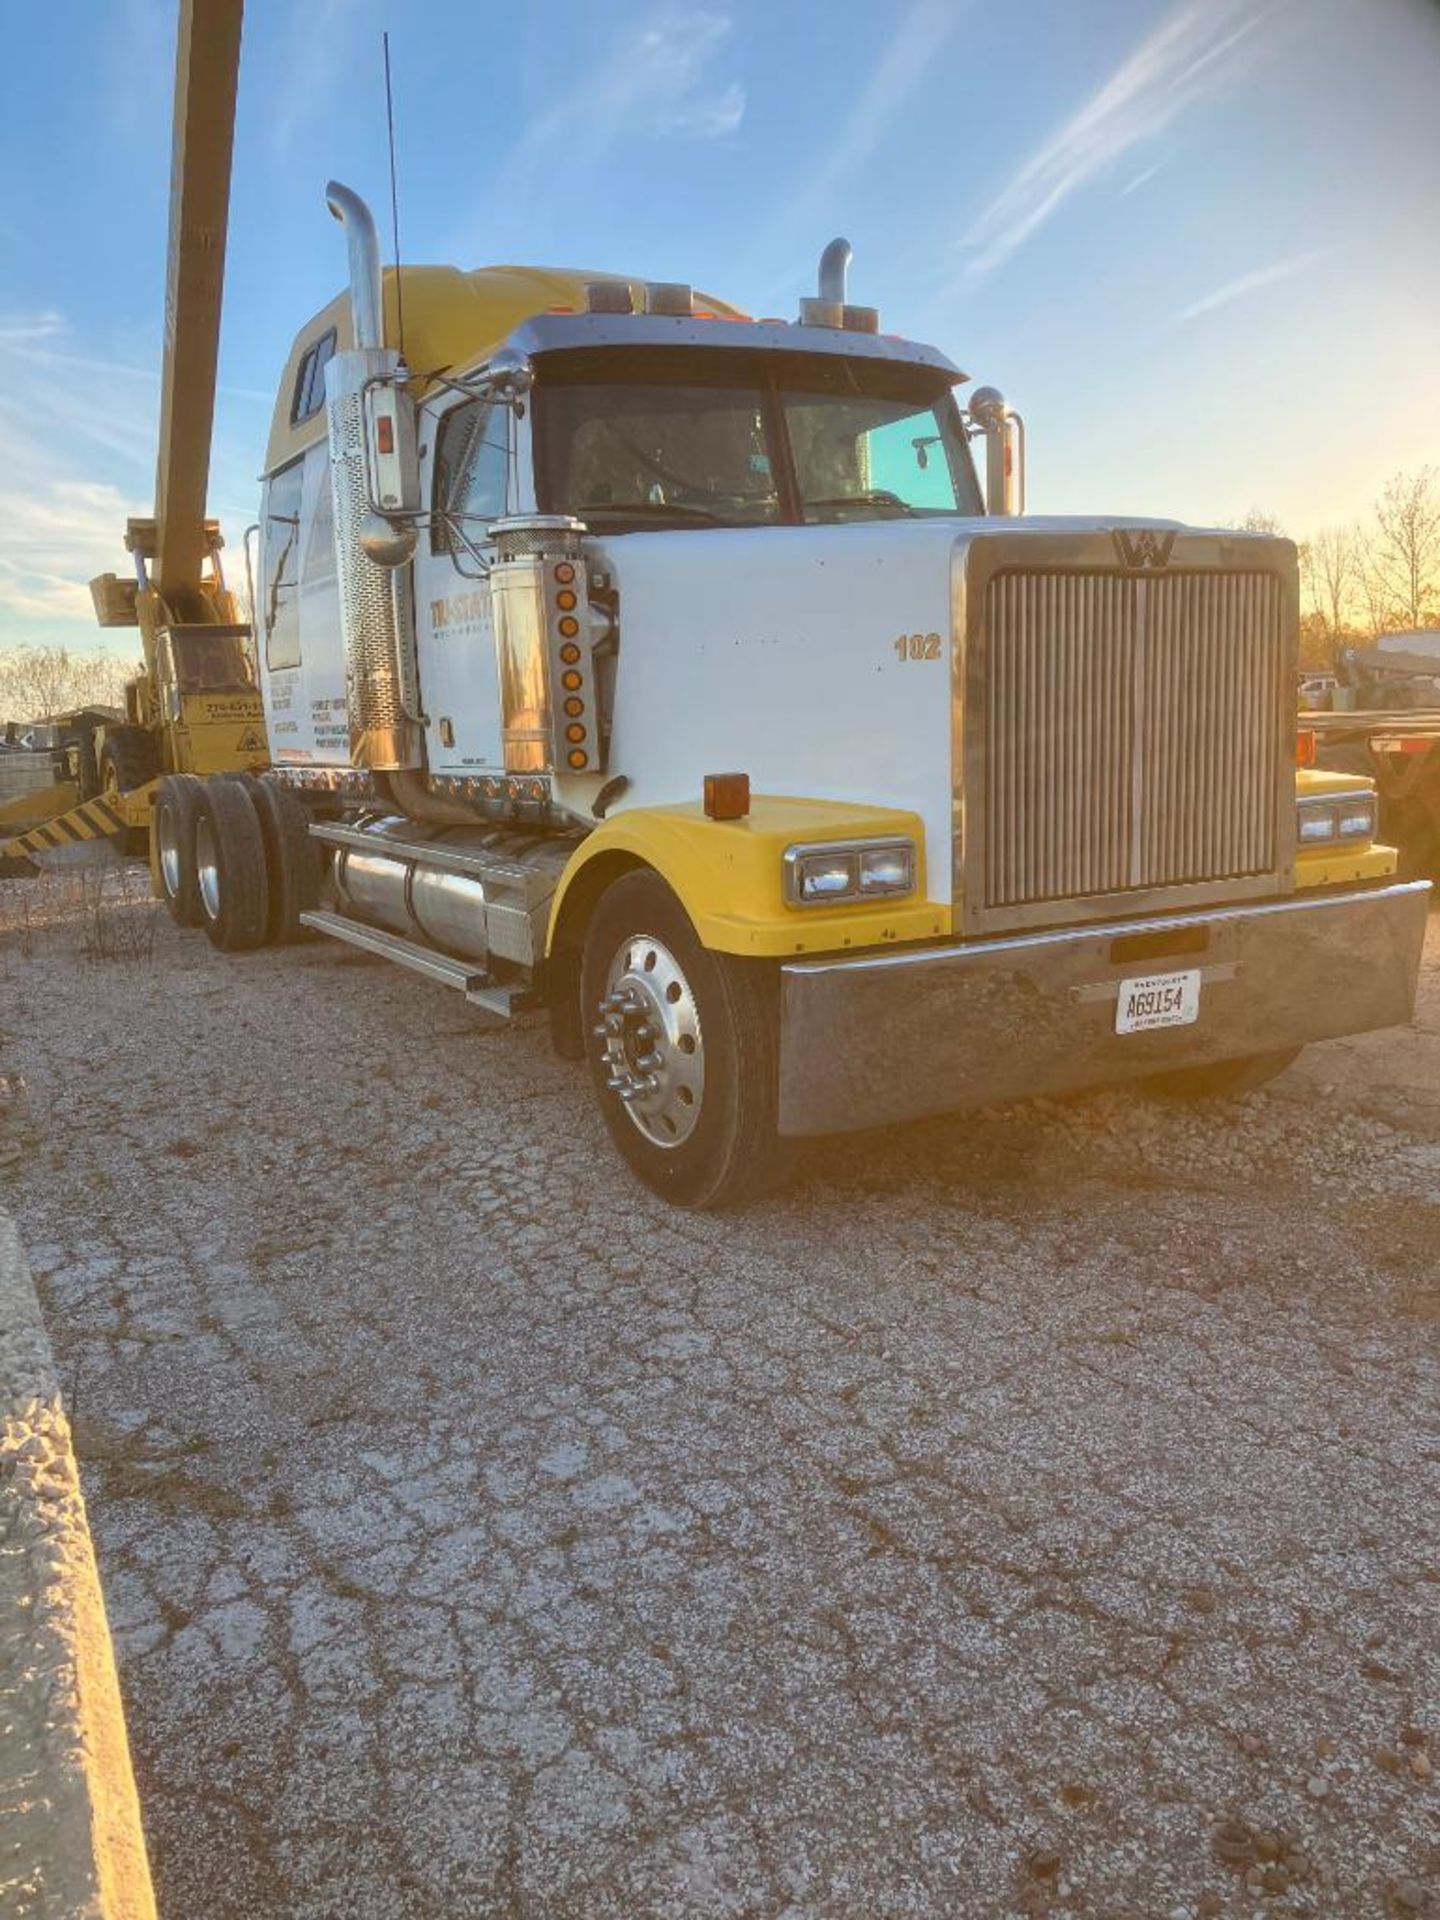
(28, 338)
(657, 81)
(908, 59)
(1142, 179)
(1188, 58)
(302, 83)
(57, 534)
(1251, 282)
(78, 431)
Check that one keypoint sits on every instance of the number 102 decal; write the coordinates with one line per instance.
(917, 646)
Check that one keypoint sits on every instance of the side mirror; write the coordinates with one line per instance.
(509, 374)
(388, 533)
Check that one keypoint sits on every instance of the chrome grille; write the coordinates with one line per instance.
(1131, 731)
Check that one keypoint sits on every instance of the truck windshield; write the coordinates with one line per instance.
(632, 438)
(213, 662)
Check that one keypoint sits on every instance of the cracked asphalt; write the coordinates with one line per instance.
(1028, 1513)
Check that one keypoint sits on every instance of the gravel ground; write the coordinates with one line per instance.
(1030, 1513)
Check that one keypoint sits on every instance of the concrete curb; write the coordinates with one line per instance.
(71, 1846)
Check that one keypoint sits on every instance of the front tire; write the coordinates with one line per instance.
(683, 1050)
(1225, 1080)
(128, 759)
(230, 867)
(176, 805)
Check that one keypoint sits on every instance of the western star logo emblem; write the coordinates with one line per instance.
(1142, 546)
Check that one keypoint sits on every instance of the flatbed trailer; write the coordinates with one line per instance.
(1399, 749)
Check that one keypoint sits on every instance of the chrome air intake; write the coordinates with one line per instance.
(549, 713)
(381, 695)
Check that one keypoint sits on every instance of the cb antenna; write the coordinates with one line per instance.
(394, 199)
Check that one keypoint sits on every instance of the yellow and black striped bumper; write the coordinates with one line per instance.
(95, 820)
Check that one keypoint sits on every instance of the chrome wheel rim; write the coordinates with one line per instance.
(651, 1043)
(167, 833)
(207, 870)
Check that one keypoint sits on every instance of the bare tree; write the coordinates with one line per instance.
(1257, 520)
(1331, 561)
(38, 681)
(1404, 555)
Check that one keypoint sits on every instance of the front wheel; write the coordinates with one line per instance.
(1225, 1080)
(128, 759)
(683, 1049)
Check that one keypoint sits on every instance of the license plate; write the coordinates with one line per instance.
(1158, 1000)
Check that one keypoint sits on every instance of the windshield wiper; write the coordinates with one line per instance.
(875, 497)
(648, 509)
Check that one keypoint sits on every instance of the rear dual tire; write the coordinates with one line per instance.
(230, 868)
(235, 857)
(176, 805)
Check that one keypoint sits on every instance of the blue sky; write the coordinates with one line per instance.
(1194, 240)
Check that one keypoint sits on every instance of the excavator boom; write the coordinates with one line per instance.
(207, 63)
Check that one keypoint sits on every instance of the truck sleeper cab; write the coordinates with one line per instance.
(670, 671)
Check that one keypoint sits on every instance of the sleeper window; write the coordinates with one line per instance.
(310, 379)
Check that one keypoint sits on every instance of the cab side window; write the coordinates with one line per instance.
(279, 608)
(472, 465)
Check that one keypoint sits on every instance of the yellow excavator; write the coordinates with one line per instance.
(194, 706)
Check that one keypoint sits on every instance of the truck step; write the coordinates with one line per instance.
(501, 998)
(464, 974)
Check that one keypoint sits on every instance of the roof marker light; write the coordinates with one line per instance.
(609, 296)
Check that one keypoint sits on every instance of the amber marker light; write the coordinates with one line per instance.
(727, 796)
(574, 733)
(1305, 747)
(565, 601)
(571, 682)
(570, 655)
(569, 626)
(564, 573)
(577, 758)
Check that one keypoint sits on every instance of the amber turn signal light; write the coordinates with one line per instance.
(727, 796)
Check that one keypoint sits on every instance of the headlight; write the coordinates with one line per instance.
(1336, 816)
(852, 870)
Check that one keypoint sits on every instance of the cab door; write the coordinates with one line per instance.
(468, 468)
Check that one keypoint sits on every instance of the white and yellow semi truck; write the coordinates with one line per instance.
(672, 671)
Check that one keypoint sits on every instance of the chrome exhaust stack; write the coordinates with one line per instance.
(367, 313)
(375, 491)
(989, 415)
(831, 308)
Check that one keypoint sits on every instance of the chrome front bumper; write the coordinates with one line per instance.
(893, 1036)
